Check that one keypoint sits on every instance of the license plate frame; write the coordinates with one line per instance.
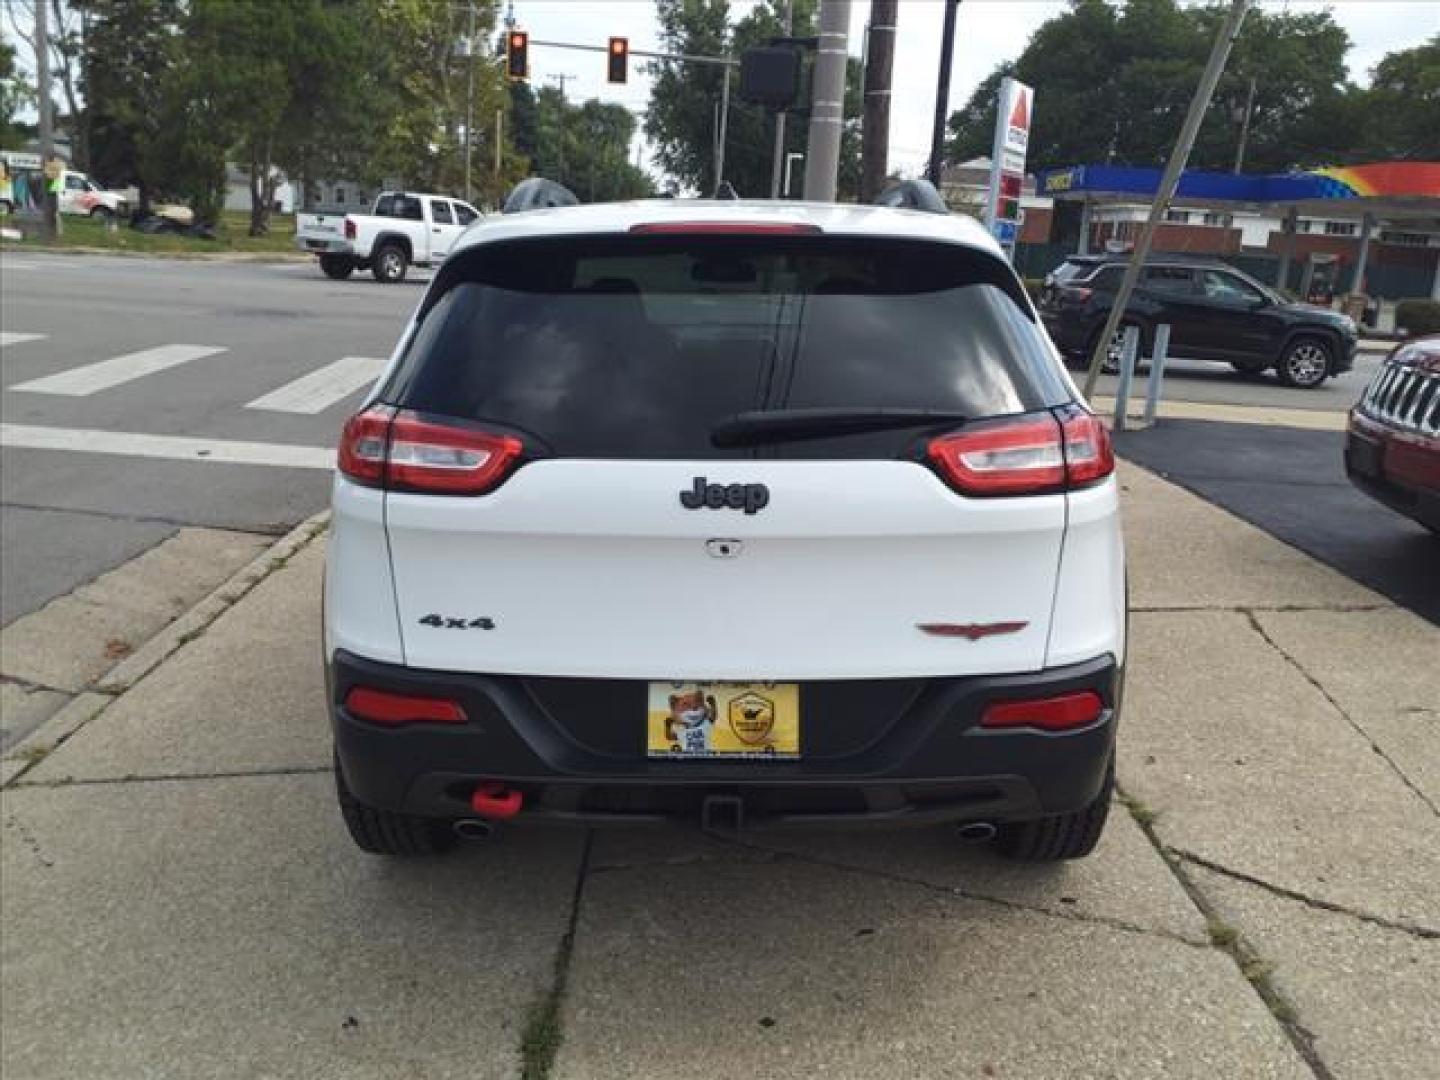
(690, 720)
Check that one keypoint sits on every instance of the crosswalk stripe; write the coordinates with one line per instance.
(172, 447)
(9, 338)
(104, 374)
(323, 387)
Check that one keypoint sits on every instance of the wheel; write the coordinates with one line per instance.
(1305, 363)
(1111, 364)
(390, 264)
(1249, 367)
(100, 213)
(6, 207)
(338, 267)
(384, 832)
(1062, 836)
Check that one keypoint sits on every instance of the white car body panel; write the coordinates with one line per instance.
(430, 239)
(592, 568)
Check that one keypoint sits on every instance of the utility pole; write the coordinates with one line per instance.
(51, 217)
(1219, 53)
(1245, 127)
(499, 137)
(722, 129)
(942, 92)
(560, 143)
(827, 106)
(778, 157)
(880, 63)
(470, 100)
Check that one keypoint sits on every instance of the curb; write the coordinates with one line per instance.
(277, 257)
(30, 750)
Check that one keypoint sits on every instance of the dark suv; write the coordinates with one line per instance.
(1215, 312)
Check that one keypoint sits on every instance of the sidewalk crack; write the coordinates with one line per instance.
(1252, 967)
(150, 778)
(1359, 730)
(1426, 932)
(965, 894)
(540, 1041)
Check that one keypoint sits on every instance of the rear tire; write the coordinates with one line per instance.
(101, 213)
(384, 832)
(389, 264)
(338, 267)
(1305, 363)
(1061, 836)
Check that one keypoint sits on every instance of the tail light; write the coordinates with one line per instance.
(401, 451)
(1076, 293)
(349, 229)
(394, 710)
(1027, 455)
(1058, 713)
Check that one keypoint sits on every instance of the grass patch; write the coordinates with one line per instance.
(232, 234)
(1222, 935)
(1142, 814)
(541, 1041)
(33, 755)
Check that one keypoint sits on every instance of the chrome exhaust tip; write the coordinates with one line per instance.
(976, 832)
(474, 829)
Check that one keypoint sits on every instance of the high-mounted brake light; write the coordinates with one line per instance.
(394, 710)
(726, 228)
(1058, 713)
(400, 451)
(1027, 455)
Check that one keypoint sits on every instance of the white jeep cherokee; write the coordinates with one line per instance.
(746, 513)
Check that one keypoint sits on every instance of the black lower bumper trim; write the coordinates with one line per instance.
(928, 762)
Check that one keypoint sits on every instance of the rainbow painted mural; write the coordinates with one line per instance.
(1413, 178)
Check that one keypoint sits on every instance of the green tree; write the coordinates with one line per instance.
(130, 53)
(586, 148)
(1401, 110)
(1127, 100)
(681, 120)
(14, 93)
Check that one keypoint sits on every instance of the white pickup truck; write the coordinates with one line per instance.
(403, 230)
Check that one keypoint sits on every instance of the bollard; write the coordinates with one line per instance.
(1157, 372)
(1129, 347)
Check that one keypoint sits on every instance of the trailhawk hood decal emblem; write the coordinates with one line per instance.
(971, 631)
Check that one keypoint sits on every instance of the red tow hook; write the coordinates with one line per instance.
(493, 801)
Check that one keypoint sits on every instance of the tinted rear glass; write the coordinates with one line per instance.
(638, 346)
(399, 206)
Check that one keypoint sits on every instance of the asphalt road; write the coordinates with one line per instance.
(1292, 484)
(70, 514)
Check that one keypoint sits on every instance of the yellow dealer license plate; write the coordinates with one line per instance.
(723, 720)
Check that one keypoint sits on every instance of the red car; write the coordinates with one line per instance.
(1392, 447)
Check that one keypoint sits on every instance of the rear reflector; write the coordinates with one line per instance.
(726, 228)
(1025, 455)
(401, 451)
(1047, 714)
(394, 710)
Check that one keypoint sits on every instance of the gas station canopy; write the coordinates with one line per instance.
(1386, 189)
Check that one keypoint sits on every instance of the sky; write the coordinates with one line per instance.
(987, 32)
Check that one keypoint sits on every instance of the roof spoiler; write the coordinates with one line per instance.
(913, 195)
(537, 193)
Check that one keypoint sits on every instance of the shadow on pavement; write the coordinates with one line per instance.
(1291, 483)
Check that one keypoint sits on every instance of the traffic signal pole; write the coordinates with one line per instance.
(1219, 53)
(827, 106)
(942, 93)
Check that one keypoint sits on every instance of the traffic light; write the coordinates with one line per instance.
(1009, 207)
(619, 60)
(517, 55)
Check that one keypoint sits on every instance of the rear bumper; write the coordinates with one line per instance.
(325, 247)
(926, 763)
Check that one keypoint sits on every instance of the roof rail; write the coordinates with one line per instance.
(913, 195)
(537, 193)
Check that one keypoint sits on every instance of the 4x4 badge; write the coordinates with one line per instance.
(747, 497)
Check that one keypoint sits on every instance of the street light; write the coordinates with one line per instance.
(790, 160)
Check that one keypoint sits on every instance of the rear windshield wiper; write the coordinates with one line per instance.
(793, 425)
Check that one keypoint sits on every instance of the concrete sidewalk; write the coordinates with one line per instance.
(179, 898)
